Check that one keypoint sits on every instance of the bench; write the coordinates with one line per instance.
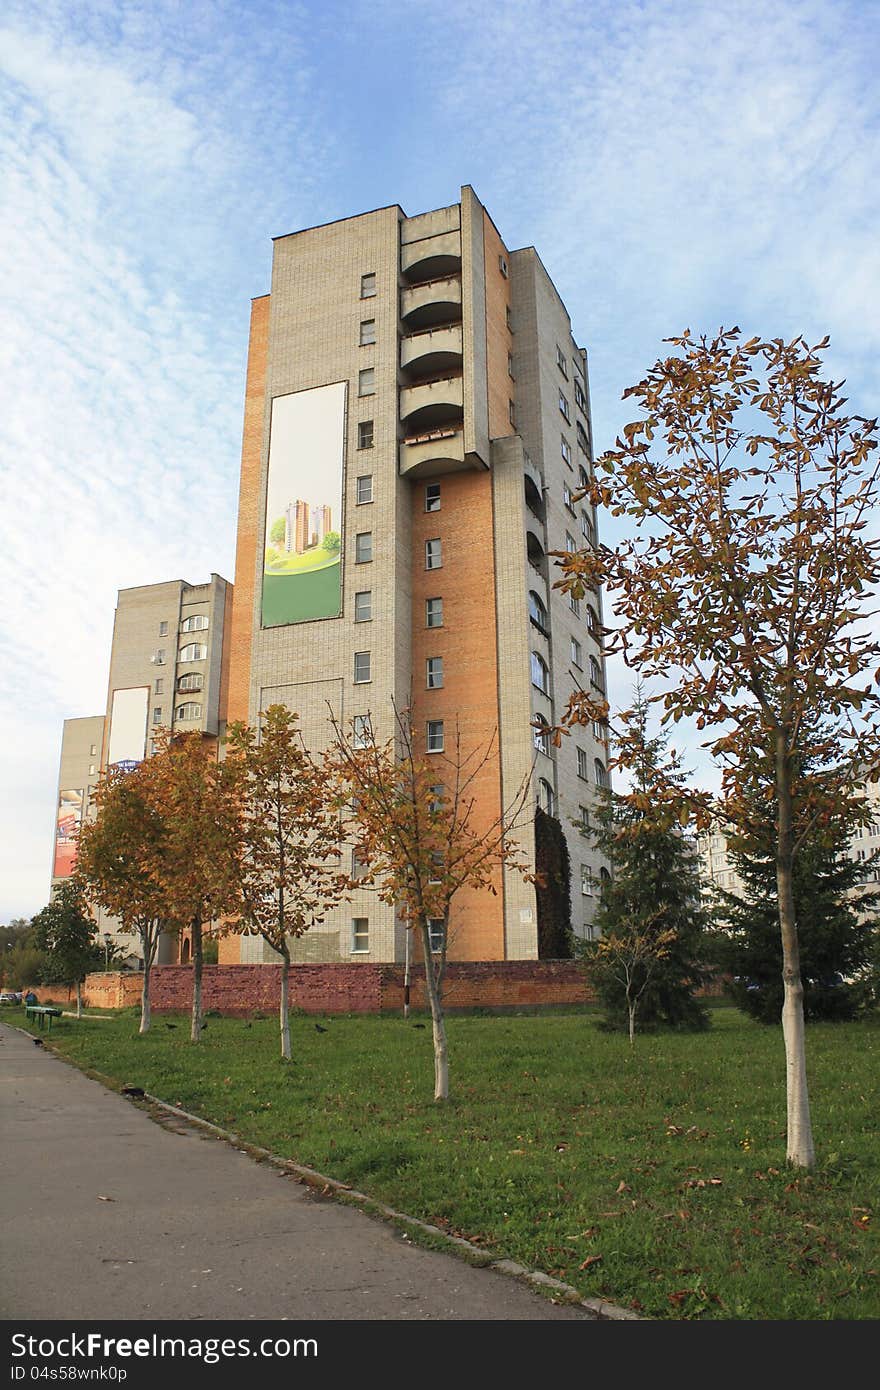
(41, 1012)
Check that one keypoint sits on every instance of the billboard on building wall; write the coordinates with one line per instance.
(128, 726)
(302, 572)
(67, 824)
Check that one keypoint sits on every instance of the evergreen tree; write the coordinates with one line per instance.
(552, 889)
(653, 891)
(836, 915)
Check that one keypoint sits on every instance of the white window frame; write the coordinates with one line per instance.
(366, 434)
(362, 668)
(361, 933)
(434, 558)
(434, 672)
(583, 765)
(433, 613)
(540, 673)
(366, 382)
(433, 497)
(359, 615)
(360, 539)
(363, 494)
(432, 735)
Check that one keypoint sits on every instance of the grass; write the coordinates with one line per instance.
(656, 1180)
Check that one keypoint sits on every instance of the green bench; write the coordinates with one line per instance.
(41, 1012)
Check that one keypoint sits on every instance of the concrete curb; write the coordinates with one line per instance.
(600, 1310)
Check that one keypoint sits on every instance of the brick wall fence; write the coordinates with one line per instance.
(340, 987)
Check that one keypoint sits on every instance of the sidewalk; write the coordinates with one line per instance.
(107, 1214)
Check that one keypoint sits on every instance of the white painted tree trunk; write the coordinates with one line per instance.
(799, 1148)
(438, 1022)
(196, 1029)
(79, 999)
(285, 1006)
(145, 995)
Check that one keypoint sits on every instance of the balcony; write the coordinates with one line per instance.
(536, 554)
(431, 258)
(432, 452)
(432, 404)
(435, 351)
(436, 301)
(534, 498)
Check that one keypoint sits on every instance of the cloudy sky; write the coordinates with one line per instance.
(675, 165)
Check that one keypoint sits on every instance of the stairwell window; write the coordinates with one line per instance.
(363, 548)
(368, 285)
(434, 736)
(157, 714)
(434, 672)
(361, 668)
(157, 687)
(363, 606)
(361, 731)
(365, 434)
(364, 489)
(436, 933)
(433, 554)
(367, 381)
(368, 332)
(432, 497)
(434, 612)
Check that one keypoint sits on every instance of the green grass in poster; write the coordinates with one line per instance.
(294, 598)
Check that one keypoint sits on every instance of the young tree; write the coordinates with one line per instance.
(835, 910)
(66, 932)
(629, 956)
(290, 837)
(742, 590)
(653, 893)
(198, 874)
(120, 859)
(418, 834)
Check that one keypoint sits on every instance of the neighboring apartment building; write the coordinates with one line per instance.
(416, 427)
(166, 670)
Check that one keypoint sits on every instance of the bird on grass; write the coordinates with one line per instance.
(170, 1025)
(418, 1025)
(319, 1029)
(204, 1026)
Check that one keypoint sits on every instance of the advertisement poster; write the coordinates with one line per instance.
(128, 727)
(302, 575)
(68, 821)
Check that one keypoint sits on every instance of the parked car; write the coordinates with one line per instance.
(10, 996)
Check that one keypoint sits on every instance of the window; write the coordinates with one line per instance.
(438, 862)
(566, 451)
(596, 674)
(540, 674)
(197, 623)
(575, 605)
(358, 865)
(436, 805)
(583, 441)
(190, 710)
(570, 542)
(583, 764)
(567, 497)
(432, 497)
(584, 821)
(586, 880)
(502, 266)
(593, 621)
(193, 651)
(599, 730)
(509, 318)
(163, 629)
(583, 476)
(154, 747)
(368, 285)
(433, 555)
(510, 366)
(363, 606)
(361, 667)
(600, 772)
(561, 361)
(360, 934)
(365, 489)
(436, 933)
(579, 396)
(367, 381)
(361, 731)
(541, 734)
(537, 611)
(93, 750)
(159, 657)
(586, 528)
(435, 736)
(511, 413)
(434, 612)
(368, 332)
(564, 406)
(546, 797)
(434, 667)
(157, 714)
(576, 653)
(365, 434)
(363, 548)
(157, 687)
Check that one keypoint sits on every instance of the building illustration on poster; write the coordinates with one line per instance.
(302, 557)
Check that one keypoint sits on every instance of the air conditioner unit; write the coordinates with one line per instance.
(153, 659)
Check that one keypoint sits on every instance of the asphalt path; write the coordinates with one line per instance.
(108, 1214)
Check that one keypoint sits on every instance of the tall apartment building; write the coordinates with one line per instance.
(416, 427)
(166, 670)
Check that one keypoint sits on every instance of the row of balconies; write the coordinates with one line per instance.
(432, 356)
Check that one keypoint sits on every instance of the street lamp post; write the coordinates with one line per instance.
(107, 939)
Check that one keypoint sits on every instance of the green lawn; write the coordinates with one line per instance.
(656, 1180)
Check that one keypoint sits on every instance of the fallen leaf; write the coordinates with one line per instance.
(102, 1198)
(590, 1260)
(623, 1186)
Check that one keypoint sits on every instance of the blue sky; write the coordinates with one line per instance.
(674, 164)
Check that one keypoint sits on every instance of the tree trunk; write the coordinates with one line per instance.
(145, 993)
(196, 1032)
(799, 1150)
(285, 1006)
(438, 1023)
(79, 999)
(631, 1009)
